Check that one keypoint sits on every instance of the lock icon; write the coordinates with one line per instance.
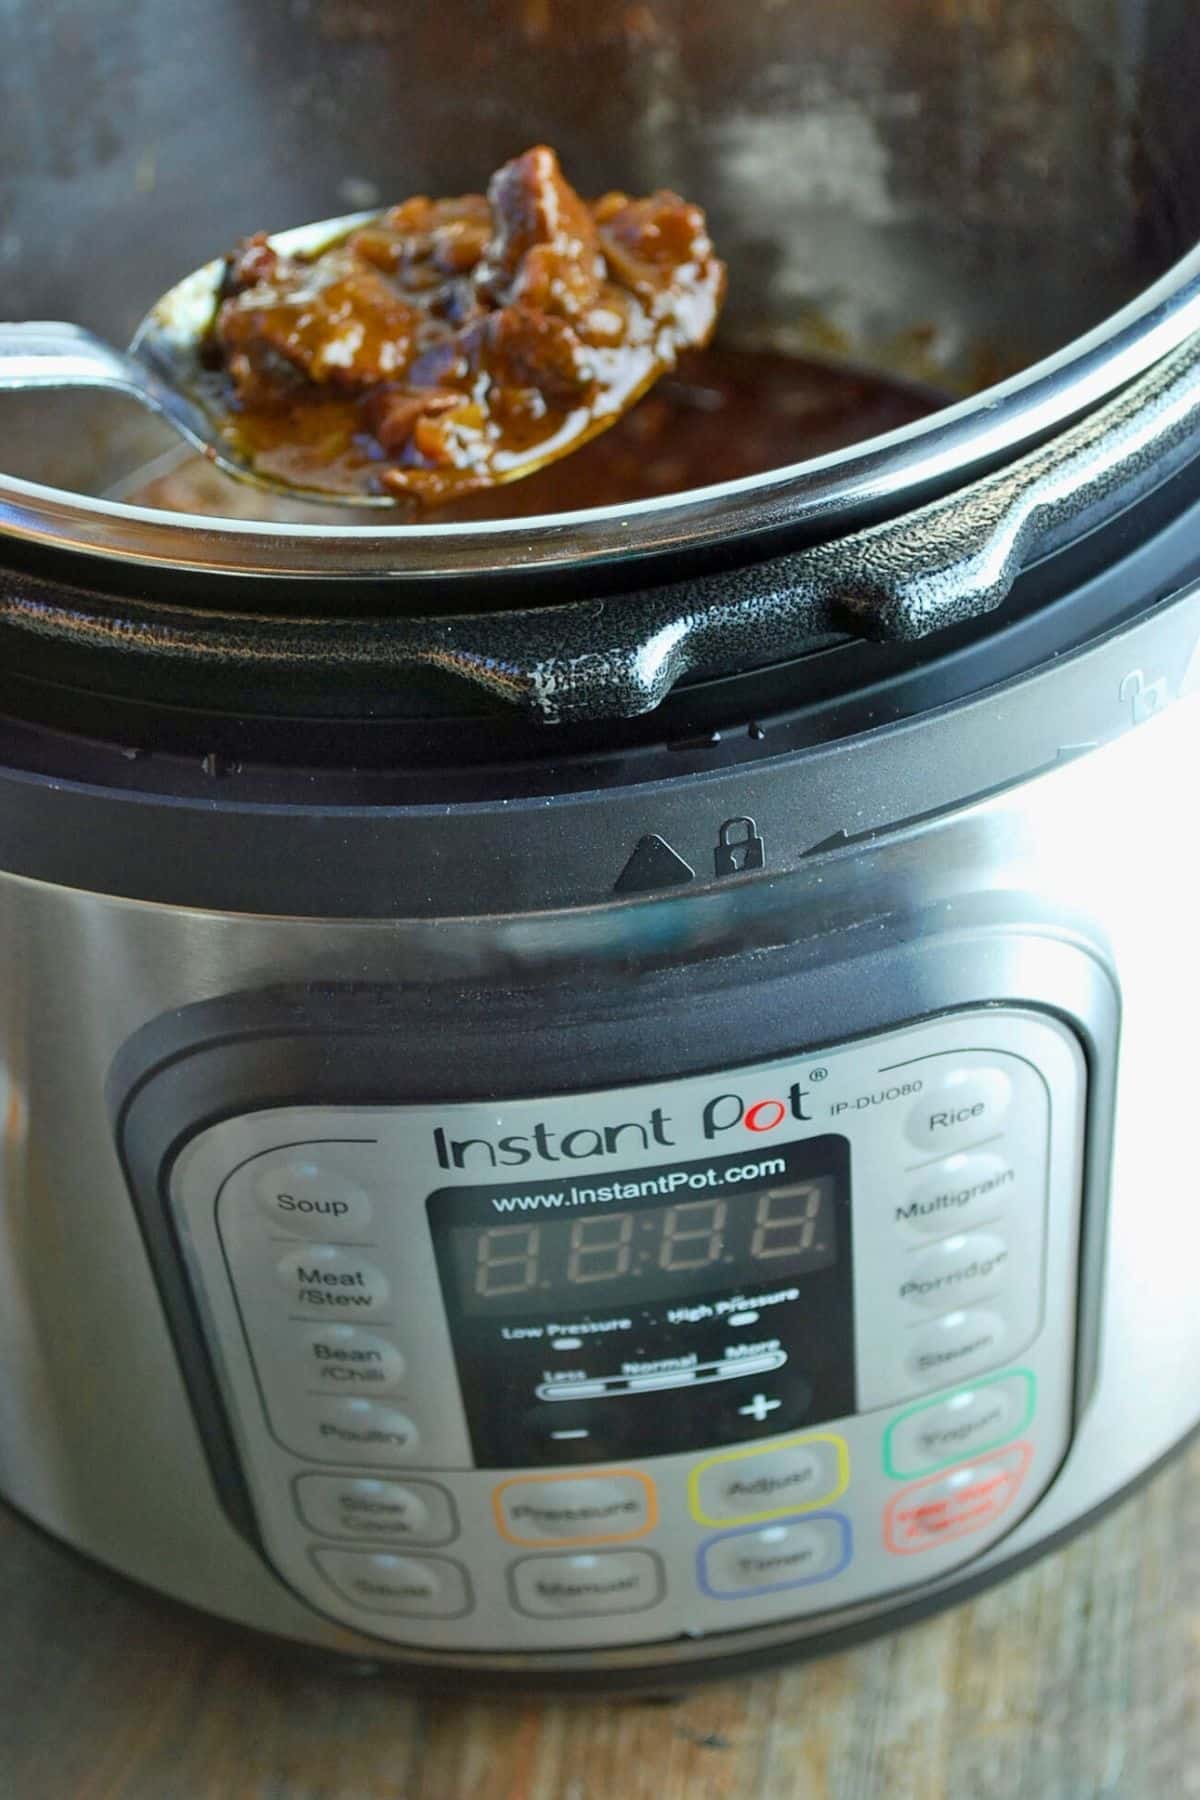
(739, 847)
(1145, 697)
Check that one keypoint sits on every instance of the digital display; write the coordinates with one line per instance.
(619, 1257)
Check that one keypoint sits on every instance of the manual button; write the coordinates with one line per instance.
(606, 1581)
(567, 1509)
(959, 1107)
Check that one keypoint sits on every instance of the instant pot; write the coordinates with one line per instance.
(605, 1097)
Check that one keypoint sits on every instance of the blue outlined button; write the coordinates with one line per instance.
(790, 1553)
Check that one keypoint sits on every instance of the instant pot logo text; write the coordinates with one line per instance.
(726, 1112)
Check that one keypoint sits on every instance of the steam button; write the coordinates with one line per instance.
(335, 1283)
(301, 1197)
(957, 1345)
(958, 1108)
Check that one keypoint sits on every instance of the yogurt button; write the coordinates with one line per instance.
(959, 1107)
(939, 1432)
(970, 1266)
(302, 1197)
(337, 1283)
(345, 1359)
(958, 1193)
(960, 1344)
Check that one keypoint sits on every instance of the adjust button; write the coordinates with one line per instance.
(959, 1107)
(962, 1191)
(300, 1197)
(742, 1563)
(606, 1581)
(355, 1431)
(960, 1344)
(970, 1266)
(566, 1509)
(419, 1512)
(344, 1359)
(337, 1283)
(742, 1486)
(418, 1587)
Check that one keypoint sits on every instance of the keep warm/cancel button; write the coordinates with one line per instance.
(569, 1509)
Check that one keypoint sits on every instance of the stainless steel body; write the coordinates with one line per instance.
(99, 1441)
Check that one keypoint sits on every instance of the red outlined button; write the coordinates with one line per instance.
(956, 1502)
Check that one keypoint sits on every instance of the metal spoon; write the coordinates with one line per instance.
(162, 367)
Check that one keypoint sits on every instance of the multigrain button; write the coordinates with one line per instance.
(960, 1344)
(419, 1587)
(954, 1195)
(605, 1581)
(743, 1486)
(417, 1512)
(345, 1359)
(977, 1418)
(561, 1509)
(303, 1198)
(337, 1283)
(742, 1563)
(967, 1267)
(355, 1431)
(959, 1107)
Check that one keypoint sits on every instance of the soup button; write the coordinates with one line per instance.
(302, 1198)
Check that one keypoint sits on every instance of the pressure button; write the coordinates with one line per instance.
(959, 1107)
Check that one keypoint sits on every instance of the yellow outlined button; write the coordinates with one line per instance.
(792, 1475)
(606, 1506)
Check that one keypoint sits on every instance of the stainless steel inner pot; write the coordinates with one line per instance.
(999, 195)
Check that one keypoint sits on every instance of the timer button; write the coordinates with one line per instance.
(960, 1344)
(300, 1197)
(419, 1587)
(970, 1266)
(739, 1564)
(568, 1509)
(605, 1581)
(419, 1512)
(958, 1108)
(338, 1283)
(345, 1359)
(355, 1431)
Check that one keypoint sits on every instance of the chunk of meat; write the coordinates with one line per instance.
(465, 340)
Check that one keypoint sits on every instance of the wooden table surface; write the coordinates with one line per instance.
(1077, 1679)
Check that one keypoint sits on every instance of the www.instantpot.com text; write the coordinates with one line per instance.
(669, 1182)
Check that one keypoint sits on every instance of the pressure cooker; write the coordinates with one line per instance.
(604, 1097)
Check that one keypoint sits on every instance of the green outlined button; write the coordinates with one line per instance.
(769, 1481)
(977, 1417)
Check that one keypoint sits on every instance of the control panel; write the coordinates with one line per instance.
(679, 1358)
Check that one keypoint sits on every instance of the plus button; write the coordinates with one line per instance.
(759, 1408)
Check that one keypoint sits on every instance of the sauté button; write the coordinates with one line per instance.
(325, 1279)
(978, 1418)
(962, 1343)
(962, 1191)
(425, 1587)
(304, 1198)
(739, 1563)
(356, 1431)
(959, 1108)
(605, 1581)
(345, 1359)
(564, 1509)
(419, 1512)
(764, 1484)
(969, 1266)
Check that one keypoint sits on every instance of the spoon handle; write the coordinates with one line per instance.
(48, 354)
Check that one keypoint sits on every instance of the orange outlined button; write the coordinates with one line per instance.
(605, 1507)
(956, 1502)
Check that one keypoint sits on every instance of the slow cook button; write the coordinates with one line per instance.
(960, 1270)
(963, 1191)
(961, 1344)
(418, 1512)
(345, 1359)
(355, 1431)
(565, 1509)
(739, 1564)
(606, 1581)
(323, 1278)
(418, 1587)
(742, 1487)
(959, 1107)
(938, 1432)
(301, 1197)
